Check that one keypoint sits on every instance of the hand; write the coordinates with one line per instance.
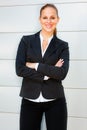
(59, 63)
(30, 65)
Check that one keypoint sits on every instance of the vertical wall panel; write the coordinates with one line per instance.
(9, 97)
(9, 121)
(77, 123)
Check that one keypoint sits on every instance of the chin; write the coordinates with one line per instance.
(49, 30)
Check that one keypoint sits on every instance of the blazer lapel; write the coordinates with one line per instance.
(51, 48)
(37, 47)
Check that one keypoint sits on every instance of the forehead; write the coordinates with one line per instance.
(49, 11)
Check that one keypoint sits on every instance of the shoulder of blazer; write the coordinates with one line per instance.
(32, 36)
(60, 42)
(28, 38)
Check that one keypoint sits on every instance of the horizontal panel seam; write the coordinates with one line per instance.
(16, 113)
(2, 112)
(75, 88)
(79, 117)
(34, 32)
(3, 59)
(12, 86)
(33, 4)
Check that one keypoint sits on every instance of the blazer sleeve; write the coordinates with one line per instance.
(21, 69)
(54, 72)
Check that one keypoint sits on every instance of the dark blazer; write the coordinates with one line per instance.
(33, 81)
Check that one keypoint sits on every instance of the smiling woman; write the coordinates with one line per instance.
(49, 18)
(43, 61)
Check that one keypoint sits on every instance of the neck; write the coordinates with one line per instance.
(46, 35)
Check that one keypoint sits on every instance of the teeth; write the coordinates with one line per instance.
(48, 26)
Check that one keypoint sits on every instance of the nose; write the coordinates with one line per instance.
(48, 20)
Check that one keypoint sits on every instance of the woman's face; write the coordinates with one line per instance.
(49, 19)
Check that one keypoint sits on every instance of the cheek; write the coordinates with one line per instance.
(42, 22)
(55, 23)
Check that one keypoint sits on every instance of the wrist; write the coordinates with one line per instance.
(33, 65)
(36, 66)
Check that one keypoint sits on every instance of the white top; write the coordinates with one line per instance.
(41, 98)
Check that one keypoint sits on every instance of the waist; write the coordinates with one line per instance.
(40, 99)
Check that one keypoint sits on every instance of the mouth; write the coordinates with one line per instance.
(49, 26)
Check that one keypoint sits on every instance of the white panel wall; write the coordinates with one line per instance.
(16, 20)
(19, 18)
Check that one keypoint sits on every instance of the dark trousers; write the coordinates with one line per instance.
(55, 115)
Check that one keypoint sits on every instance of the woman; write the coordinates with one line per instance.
(43, 61)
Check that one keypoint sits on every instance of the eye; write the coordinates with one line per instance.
(44, 17)
(52, 17)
